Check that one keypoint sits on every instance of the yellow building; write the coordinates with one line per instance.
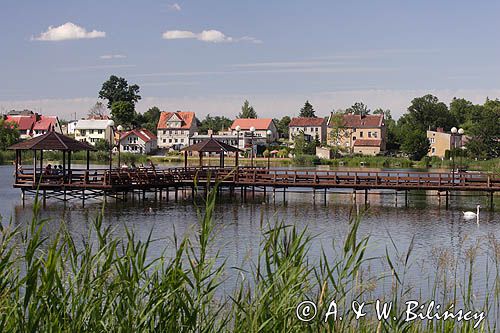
(440, 142)
(356, 134)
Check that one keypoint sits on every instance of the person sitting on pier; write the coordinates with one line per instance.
(133, 167)
(48, 170)
(124, 166)
(151, 164)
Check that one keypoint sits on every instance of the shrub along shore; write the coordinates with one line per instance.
(111, 284)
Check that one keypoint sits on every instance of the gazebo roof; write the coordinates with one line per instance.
(52, 141)
(211, 146)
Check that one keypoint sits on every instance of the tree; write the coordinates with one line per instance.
(217, 123)
(485, 132)
(302, 146)
(307, 111)
(247, 111)
(124, 113)
(98, 110)
(102, 145)
(386, 113)
(149, 119)
(358, 108)
(8, 134)
(427, 112)
(392, 130)
(282, 125)
(461, 109)
(117, 89)
(338, 130)
(415, 144)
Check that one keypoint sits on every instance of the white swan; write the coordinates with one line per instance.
(471, 215)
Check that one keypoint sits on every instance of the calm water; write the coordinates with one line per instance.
(436, 231)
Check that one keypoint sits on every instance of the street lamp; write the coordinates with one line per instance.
(119, 129)
(111, 124)
(269, 133)
(454, 133)
(238, 129)
(252, 131)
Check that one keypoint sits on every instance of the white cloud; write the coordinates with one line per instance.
(175, 7)
(210, 36)
(68, 31)
(96, 67)
(113, 56)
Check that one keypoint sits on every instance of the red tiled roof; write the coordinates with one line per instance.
(355, 120)
(258, 123)
(186, 117)
(24, 123)
(306, 122)
(142, 133)
(367, 143)
(45, 123)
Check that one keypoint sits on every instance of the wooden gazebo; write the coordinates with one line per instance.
(48, 141)
(211, 146)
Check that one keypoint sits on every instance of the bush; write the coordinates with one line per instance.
(306, 160)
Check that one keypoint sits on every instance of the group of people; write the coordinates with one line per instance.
(53, 170)
(133, 167)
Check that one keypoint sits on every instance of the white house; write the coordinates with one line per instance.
(91, 130)
(175, 129)
(72, 126)
(138, 141)
(313, 128)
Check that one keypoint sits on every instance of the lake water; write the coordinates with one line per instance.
(437, 232)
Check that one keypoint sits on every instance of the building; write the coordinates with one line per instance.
(313, 128)
(138, 141)
(175, 129)
(91, 131)
(46, 124)
(356, 134)
(259, 136)
(441, 141)
(30, 124)
(71, 127)
(230, 139)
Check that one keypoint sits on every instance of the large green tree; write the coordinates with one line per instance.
(338, 130)
(307, 111)
(414, 142)
(124, 114)
(8, 134)
(247, 111)
(149, 119)
(217, 123)
(484, 133)
(282, 125)
(302, 146)
(393, 143)
(117, 89)
(428, 112)
(358, 108)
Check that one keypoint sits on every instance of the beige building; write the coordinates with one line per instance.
(175, 129)
(93, 130)
(356, 134)
(440, 142)
(313, 128)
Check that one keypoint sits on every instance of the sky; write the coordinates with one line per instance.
(209, 56)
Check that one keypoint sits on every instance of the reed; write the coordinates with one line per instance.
(58, 283)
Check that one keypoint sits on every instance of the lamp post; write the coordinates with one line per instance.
(268, 134)
(119, 129)
(252, 131)
(238, 129)
(111, 124)
(454, 133)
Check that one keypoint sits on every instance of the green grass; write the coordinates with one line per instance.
(63, 284)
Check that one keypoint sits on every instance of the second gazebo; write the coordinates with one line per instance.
(211, 146)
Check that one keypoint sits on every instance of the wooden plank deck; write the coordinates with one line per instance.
(147, 178)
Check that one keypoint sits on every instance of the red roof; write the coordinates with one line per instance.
(367, 143)
(144, 134)
(186, 117)
(258, 123)
(45, 123)
(24, 123)
(355, 120)
(306, 122)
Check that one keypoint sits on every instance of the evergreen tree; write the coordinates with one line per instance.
(307, 111)
(247, 111)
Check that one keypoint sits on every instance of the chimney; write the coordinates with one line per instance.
(210, 132)
(440, 130)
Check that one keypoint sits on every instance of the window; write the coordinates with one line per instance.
(433, 150)
(99, 131)
(353, 138)
(169, 140)
(369, 134)
(317, 129)
(361, 134)
(82, 132)
(176, 140)
(164, 140)
(375, 134)
(432, 140)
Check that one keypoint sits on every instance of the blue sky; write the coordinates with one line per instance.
(56, 54)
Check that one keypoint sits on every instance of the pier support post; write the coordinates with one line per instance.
(492, 207)
(284, 195)
(83, 198)
(274, 194)
(167, 193)
(176, 193)
(406, 198)
(324, 196)
(366, 196)
(143, 195)
(395, 198)
(314, 196)
(44, 199)
(253, 192)
(447, 199)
